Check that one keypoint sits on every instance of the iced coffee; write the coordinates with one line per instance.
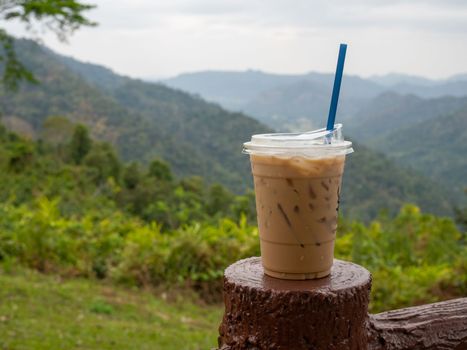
(297, 180)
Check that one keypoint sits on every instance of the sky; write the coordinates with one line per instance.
(163, 38)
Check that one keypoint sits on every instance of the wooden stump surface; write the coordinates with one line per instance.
(435, 326)
(263, 312)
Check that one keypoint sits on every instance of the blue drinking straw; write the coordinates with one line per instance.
(336, 89)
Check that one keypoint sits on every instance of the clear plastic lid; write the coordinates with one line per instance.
(314, 143)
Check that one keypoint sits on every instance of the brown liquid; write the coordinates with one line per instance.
(297, 201)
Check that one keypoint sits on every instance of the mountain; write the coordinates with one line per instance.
(284, 102)
(301, 102)
(457, 77)
(449, 88)
(393, 79)
(427, 135)
(390, 111)
(372, 110)
(230, 89)
(300, 106)
(146, 121)
(437, 147)
(423, 87)
(143, 120)
(304, 105)
(369, 175)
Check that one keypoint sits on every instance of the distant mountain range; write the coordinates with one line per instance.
(148, 120)
(285, 102)
(429, 135)
(300, 102)
(391, 111)
(375, 112)
(393, 79)
(437, 147)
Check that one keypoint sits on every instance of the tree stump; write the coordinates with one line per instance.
(263, 312)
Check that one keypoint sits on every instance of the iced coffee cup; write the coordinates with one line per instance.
(297, 180)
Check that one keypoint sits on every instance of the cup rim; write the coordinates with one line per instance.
(312, 142)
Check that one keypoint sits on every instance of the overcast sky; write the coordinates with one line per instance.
(161, 38)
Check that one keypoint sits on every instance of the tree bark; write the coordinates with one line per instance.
(434, 326)
(263, 312)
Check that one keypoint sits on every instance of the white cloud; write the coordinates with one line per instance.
(160, 38)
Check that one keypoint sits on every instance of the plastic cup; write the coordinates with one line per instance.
(297, 181)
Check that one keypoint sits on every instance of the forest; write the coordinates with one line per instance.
(70, 206)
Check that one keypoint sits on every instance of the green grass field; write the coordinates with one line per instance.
(43, 312)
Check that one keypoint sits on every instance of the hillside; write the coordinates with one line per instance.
(423, 87)
(196, 137)
(370, 175)
(285, 102)
(392, 79)
(304, 105)
(437, 147)
(300, 102)
(390, 111)
(299, 106)
(146, 121)
(427, 135)
(398, 187)
(230, 89)
(243, 86)
(451, 88)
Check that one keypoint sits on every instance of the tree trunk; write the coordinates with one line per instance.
(434, 326)
(263, 312)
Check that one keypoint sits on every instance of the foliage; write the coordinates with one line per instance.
(120, 247)
(440, 152)
(88, 175)
(57, 130)
(415, 258)
(80, 144)
(160, 170)
(373, 183)
(142, 121)
(139, 226)
(461, 217)
(103, 163)
(13, 70)
(60, 17)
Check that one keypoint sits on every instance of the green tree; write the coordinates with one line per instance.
(461, 216)
(62, 17)
(219, 200)
(160, 170)
(103, 161)
(244, 205)
(80, 144)
(131, 175)
(193, 184)
(3, 132)
(21, 155)
(57, 130)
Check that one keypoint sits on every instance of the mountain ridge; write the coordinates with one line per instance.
(440, 150)
(136, 135)
(390, 111)
(147, 121)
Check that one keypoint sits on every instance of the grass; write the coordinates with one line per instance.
(43, 312)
